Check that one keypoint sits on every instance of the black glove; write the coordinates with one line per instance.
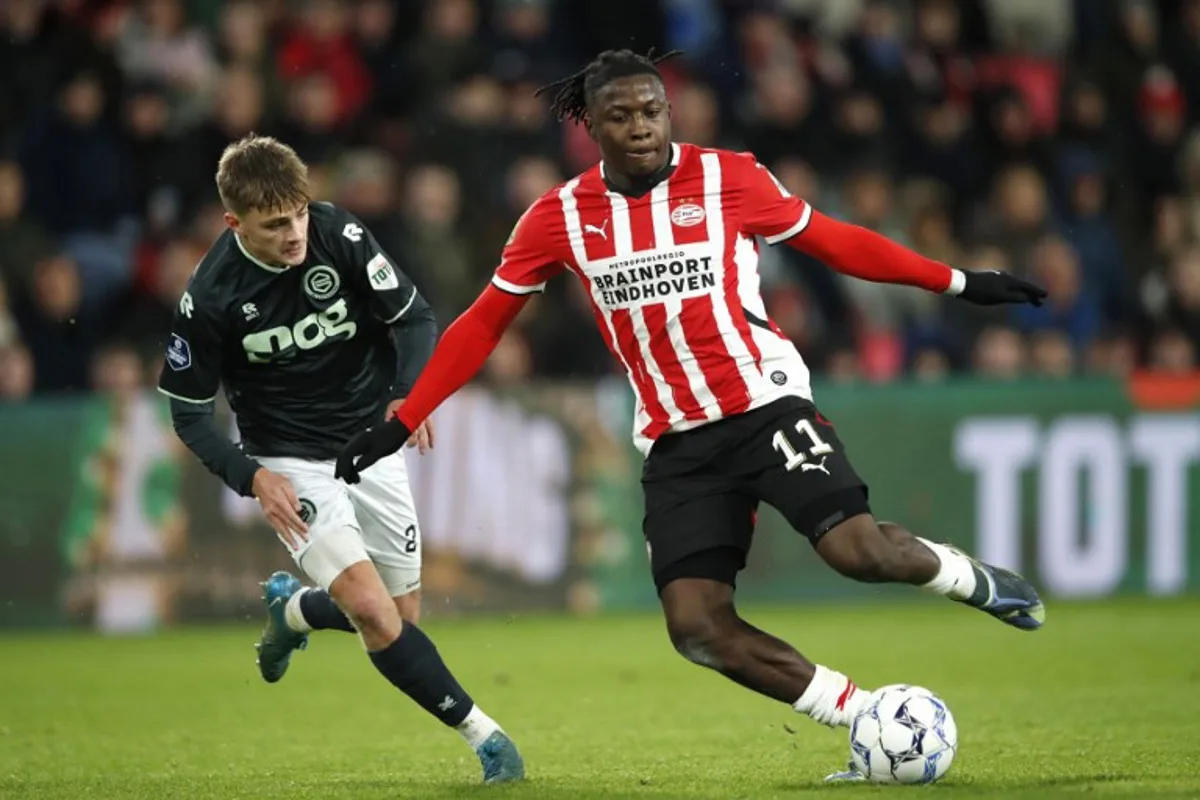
(368, 447)
(991, 288)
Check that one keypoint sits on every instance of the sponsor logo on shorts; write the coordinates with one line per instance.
(308, 511)
(811, 466)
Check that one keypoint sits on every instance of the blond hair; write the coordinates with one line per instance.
(260, 173)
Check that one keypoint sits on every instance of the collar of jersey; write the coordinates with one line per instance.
(653, 180)
(254, 260)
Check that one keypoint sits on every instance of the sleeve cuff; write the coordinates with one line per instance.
(396, 317)
(801, 224)
(183, 399)
(958, 282)
(516, 288)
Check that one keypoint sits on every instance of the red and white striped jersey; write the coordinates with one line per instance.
(673, 281)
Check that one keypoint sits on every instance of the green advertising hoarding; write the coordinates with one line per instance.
(532, 500)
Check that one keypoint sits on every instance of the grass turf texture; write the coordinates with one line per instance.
(1103, 702)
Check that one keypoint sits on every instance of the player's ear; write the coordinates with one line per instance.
(232, 221)
(591, 129)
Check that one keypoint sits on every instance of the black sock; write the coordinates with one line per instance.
(414, 666)
(322, 613)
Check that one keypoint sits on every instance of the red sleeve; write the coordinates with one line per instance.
(530, 256)
(463, 349)
(864, 254)
(769, 210)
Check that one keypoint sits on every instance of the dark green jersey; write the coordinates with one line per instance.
(303, 353)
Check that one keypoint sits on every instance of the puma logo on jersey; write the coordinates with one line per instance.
(602, 231)
(809, 465)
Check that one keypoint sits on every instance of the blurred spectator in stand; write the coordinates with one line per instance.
(161, 168)
(58, 330)
(76, 166)
(117, 370)
(145, 313)
(312, 125)
(1017, 216)
(1160, 126)
(781, 118)
(1172, 352)
(239, 110)
(433, 244)
(156, 44)
(16, 374)
(448, 47)
(1113, 353)
(1092, 232)
(1051, 354)
(22, 239)
(243, 41)
(319, 50)
(1072, 306)
(999, 354)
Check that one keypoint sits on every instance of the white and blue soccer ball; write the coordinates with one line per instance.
(905, 734)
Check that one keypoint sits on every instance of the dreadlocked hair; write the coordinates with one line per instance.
(573, 93)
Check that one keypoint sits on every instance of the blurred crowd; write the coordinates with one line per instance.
(1057, 139)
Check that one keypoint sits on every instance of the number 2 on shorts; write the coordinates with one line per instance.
(794, 458)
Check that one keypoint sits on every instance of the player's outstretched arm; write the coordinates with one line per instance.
(462, 351)
(864, 254)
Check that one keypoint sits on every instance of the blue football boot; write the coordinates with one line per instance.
(278, 641)
(1005, 595)
(500, 759)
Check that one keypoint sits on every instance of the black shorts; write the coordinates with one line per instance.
(703, 487)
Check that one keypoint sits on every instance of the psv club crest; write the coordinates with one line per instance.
(687, 215)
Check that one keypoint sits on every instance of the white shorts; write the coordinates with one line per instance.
(374, 520)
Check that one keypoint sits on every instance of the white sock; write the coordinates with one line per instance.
(477, 727)
(831, 699)
(293, 614)
(956, 578)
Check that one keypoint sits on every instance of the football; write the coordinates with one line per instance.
(906, 734)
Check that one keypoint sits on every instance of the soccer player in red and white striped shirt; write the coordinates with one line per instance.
(665, 238)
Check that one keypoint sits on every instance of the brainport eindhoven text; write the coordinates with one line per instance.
(654, 276)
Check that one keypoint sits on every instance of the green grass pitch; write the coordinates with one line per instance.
(1102, 703)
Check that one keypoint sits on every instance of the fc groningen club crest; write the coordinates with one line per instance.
(321, 282)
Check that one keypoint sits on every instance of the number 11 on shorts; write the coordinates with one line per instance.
(794, 458)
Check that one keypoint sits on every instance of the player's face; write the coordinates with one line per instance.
(630, 119)
(275, 237)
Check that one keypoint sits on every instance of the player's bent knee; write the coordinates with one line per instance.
(360, 592)
(376, 616)
(857, 549)
(696, 638)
